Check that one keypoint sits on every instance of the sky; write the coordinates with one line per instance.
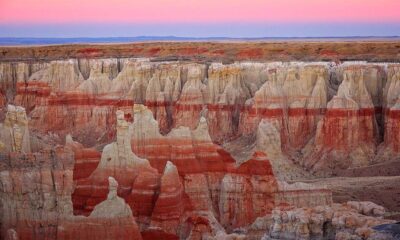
(199, 18)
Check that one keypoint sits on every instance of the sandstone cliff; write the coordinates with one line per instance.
(182, 150)
(298, 105)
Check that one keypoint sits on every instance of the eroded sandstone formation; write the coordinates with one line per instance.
(111, 219)
(348, 134)
(14, 132)
(35, 192)
(353, 220)
(300, 101)
(35, 197)
(139, 149)
(211, 188)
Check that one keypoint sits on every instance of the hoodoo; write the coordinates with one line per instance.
(151, 148)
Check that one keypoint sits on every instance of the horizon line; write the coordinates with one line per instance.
(51, 41)
(177, 36)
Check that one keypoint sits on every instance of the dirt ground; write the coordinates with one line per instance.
(382, 190)
(383, 50)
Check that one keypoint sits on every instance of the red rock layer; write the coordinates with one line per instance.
(161, 206)
(86, 160)
(158, 234)
(302, 124)
(140, 191)
(88, 118)
(339, 122)
(169, 207)
(251, 117)
(144, 195)
(247, 192)
(196, 156)
(32, 93)
(200, 181)
(224, 96)
(36, 201)
(227, 91)
(160, 111)
(2, 101)
(66, 112)
(106, 228)
(298, 125)
(136, 185)
(390, 148)
(223, 120)
(294, 98)
(11, 73)
(345, 138)
(348, 134)
(193, 180)
(392, 130)
(203, 165)
(138, 181)
(187, 113)
(258, 164)
(203, 157)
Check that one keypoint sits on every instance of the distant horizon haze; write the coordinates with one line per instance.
(201, 30)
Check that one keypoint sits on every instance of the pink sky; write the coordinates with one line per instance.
(201, 11)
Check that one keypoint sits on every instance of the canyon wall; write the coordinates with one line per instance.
(43, 193)
(319, 116)
(187, 150)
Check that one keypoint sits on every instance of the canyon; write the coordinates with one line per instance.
(236, 144)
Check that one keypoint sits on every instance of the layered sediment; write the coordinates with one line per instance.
(183, 150)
